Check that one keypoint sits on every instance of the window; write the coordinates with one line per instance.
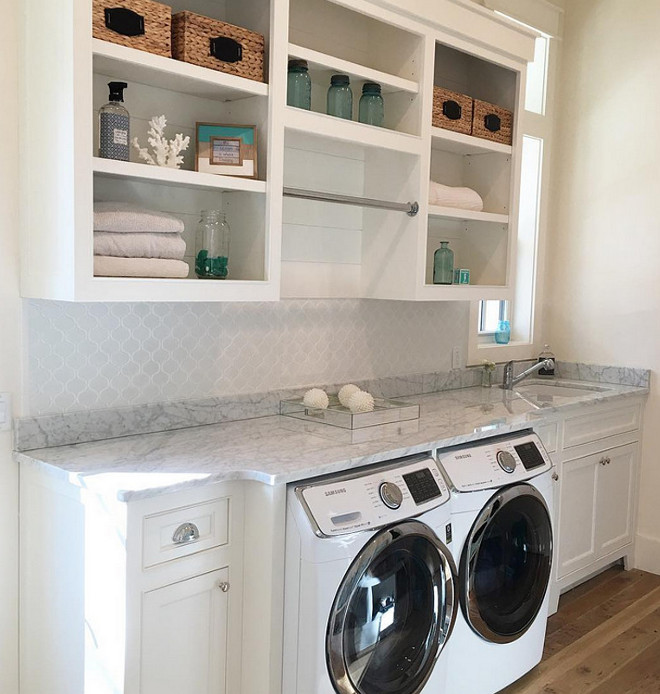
(536, 122)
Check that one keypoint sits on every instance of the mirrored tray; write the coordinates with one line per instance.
(336, 415)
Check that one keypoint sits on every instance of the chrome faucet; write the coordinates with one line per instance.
(510, 380)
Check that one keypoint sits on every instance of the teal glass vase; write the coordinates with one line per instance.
(299, 85)
(340, 97)
(371, 109)
(503, 333)
(443, 264)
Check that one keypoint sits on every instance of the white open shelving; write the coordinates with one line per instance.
(281, 247)
(459, 143)
(439, 212)
(330, 64)
(174, 177)
(350, 131)
(133, 65)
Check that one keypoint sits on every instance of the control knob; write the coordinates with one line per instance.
(390, 495)
(506, 461)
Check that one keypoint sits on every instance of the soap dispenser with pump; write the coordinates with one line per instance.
(114, 125)
(546, 354)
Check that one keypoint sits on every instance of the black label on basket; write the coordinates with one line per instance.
(492, 122)
(226, 49)
(452, 110)
(124, 21)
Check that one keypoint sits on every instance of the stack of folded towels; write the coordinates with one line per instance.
(455, 196)
(130, 241)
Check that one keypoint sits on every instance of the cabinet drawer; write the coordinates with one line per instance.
(598, 425)
(184, 531)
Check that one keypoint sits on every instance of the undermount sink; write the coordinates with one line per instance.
(544, 390)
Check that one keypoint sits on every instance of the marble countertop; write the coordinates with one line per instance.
(276, 450)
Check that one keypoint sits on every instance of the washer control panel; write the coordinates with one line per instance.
(492, 463)
(375, 497)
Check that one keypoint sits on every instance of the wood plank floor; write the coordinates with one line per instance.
(605, 639)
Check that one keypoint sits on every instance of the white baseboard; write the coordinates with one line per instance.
(647, 553)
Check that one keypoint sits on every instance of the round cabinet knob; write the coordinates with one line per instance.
(224, 586)
(390, 494)
(506, 461)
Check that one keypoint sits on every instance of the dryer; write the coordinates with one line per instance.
(370, 597)
(502, 522)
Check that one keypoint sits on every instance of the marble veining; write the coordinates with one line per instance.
(96, 425)
(276, 450)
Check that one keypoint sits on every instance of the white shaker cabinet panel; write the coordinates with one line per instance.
(184, 636)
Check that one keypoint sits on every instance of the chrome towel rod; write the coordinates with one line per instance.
(410, 208)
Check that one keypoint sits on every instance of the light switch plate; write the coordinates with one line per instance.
(5, 411)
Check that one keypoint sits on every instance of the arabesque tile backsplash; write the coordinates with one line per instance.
(91, 356)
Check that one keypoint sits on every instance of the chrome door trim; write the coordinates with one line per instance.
(336, 622)
(471, 550)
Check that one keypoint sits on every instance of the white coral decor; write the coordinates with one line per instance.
(315, 397)
(361, 402)
(165, 153)
(345, 393)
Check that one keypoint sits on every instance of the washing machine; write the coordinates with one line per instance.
(370, 598)
(502, 523)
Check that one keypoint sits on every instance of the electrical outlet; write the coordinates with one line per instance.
(5, 411)
(456, 358)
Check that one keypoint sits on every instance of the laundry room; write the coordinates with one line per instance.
(315, 375)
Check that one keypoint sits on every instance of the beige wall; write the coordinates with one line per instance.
(604, 246)
(9, 344)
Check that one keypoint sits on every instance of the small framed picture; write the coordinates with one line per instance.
(230, 150)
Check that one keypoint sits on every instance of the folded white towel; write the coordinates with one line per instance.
(105, 266)
(455, 196)
(139, 245)
(123, 217)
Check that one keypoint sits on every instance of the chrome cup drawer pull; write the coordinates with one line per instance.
(186, 532)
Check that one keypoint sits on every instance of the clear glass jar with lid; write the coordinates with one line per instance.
(299, 85)
(371, 110)
(212, 246)
(340, 97)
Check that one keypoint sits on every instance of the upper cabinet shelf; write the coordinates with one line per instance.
(329, 127)
(436, 211)
(132, 65)
(131, 171)
(458, 143)
(321, 62)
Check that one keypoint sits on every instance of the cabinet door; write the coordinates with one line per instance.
(614, 490)
(184, 636)
(577, 514)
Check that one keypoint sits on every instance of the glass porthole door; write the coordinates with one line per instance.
(505, 564)
(393, 613)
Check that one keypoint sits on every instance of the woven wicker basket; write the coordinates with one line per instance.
(452, 110)
(238, 51)
(492, 122)
(154, 33)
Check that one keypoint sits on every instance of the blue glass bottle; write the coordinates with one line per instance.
(340, 97)
(443, 264)
(299, 85)
(503, 333)
(371, 109)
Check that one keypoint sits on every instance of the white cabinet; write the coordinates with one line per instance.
(142, 597)
(595, 513)
(597, 460)
(184, 636)
(289, 247)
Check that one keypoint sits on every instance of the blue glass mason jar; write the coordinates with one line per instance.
(503, 332)
(443, 264)
(299, 85)
(371, 110)
(340, 97)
